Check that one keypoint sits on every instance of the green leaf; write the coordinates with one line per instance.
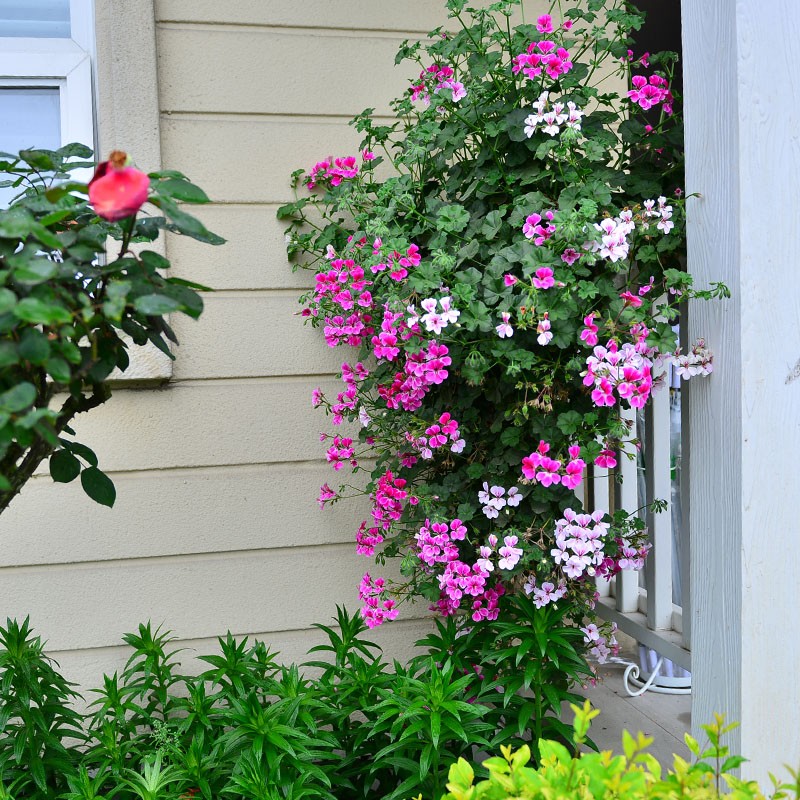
(155, 304)
(38, 312)
(86, 453)
(154, 260)
(35, 271)
(181, 190)
(8, 354)
(569, 422)
(98, 486)
(15, 223)
(58, 370)
(732, 762)
(34, 346)
(453, 218)
(45, 236)
(185, 223)
(18, 398)
(7, 300)
(64, 467)
(40, 159)
(75, 150)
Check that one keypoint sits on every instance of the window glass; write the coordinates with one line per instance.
(35, 18)
(29, 117)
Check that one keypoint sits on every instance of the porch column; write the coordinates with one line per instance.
(742, 104)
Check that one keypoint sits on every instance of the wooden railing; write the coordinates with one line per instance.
(653, 607)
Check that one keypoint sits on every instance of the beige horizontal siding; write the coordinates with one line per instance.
(254, 257)
(262, 71)
(188, 424)
(181, 511)
(404, 15)
(416, 17)
(93, 604)
(250, 335)
(239, 159)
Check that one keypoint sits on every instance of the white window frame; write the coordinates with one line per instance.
(65, 64)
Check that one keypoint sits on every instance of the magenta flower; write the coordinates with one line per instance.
(543, 278)
(631, 299)
(606, 460)
(570, 256)
(326, 494)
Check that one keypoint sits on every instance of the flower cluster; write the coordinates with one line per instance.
(504, 329)
(534, 229)
(395, 262)
(624, 372)
(549, 117)
(494, 499)
(341, 452)
(462, 581)
(601, 646)
(348, 399)
(421, 371)
(438, 314)
(332, 170)
(580, 539)
(648, 94)
(544, 56)
(698, 361)
(539, 468)
(547, 593)
(378, 607)
(443, 432)
(614, 231)
(663, 213)
(435, 541)
(438, 77)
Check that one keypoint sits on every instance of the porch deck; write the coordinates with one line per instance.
(664, 717)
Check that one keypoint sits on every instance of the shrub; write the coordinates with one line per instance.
(504, 290)
(72, 306)
(634, 775)
(250, 727)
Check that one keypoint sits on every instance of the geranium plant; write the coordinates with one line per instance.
(76, 297)
(502, 289)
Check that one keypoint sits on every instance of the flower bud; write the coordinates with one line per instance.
(117, 191)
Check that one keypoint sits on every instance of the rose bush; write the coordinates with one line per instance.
(72, 306)
(503, 290)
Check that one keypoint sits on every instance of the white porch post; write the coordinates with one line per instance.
(742, 93)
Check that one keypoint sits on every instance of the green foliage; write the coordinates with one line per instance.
(634, 775)
(75, 297)
(472, 179)
(250, 727)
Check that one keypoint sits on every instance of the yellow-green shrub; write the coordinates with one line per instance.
(634, 775)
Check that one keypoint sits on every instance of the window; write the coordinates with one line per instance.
(45, 75)
(48, 61)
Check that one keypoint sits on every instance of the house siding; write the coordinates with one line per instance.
(216, 526)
